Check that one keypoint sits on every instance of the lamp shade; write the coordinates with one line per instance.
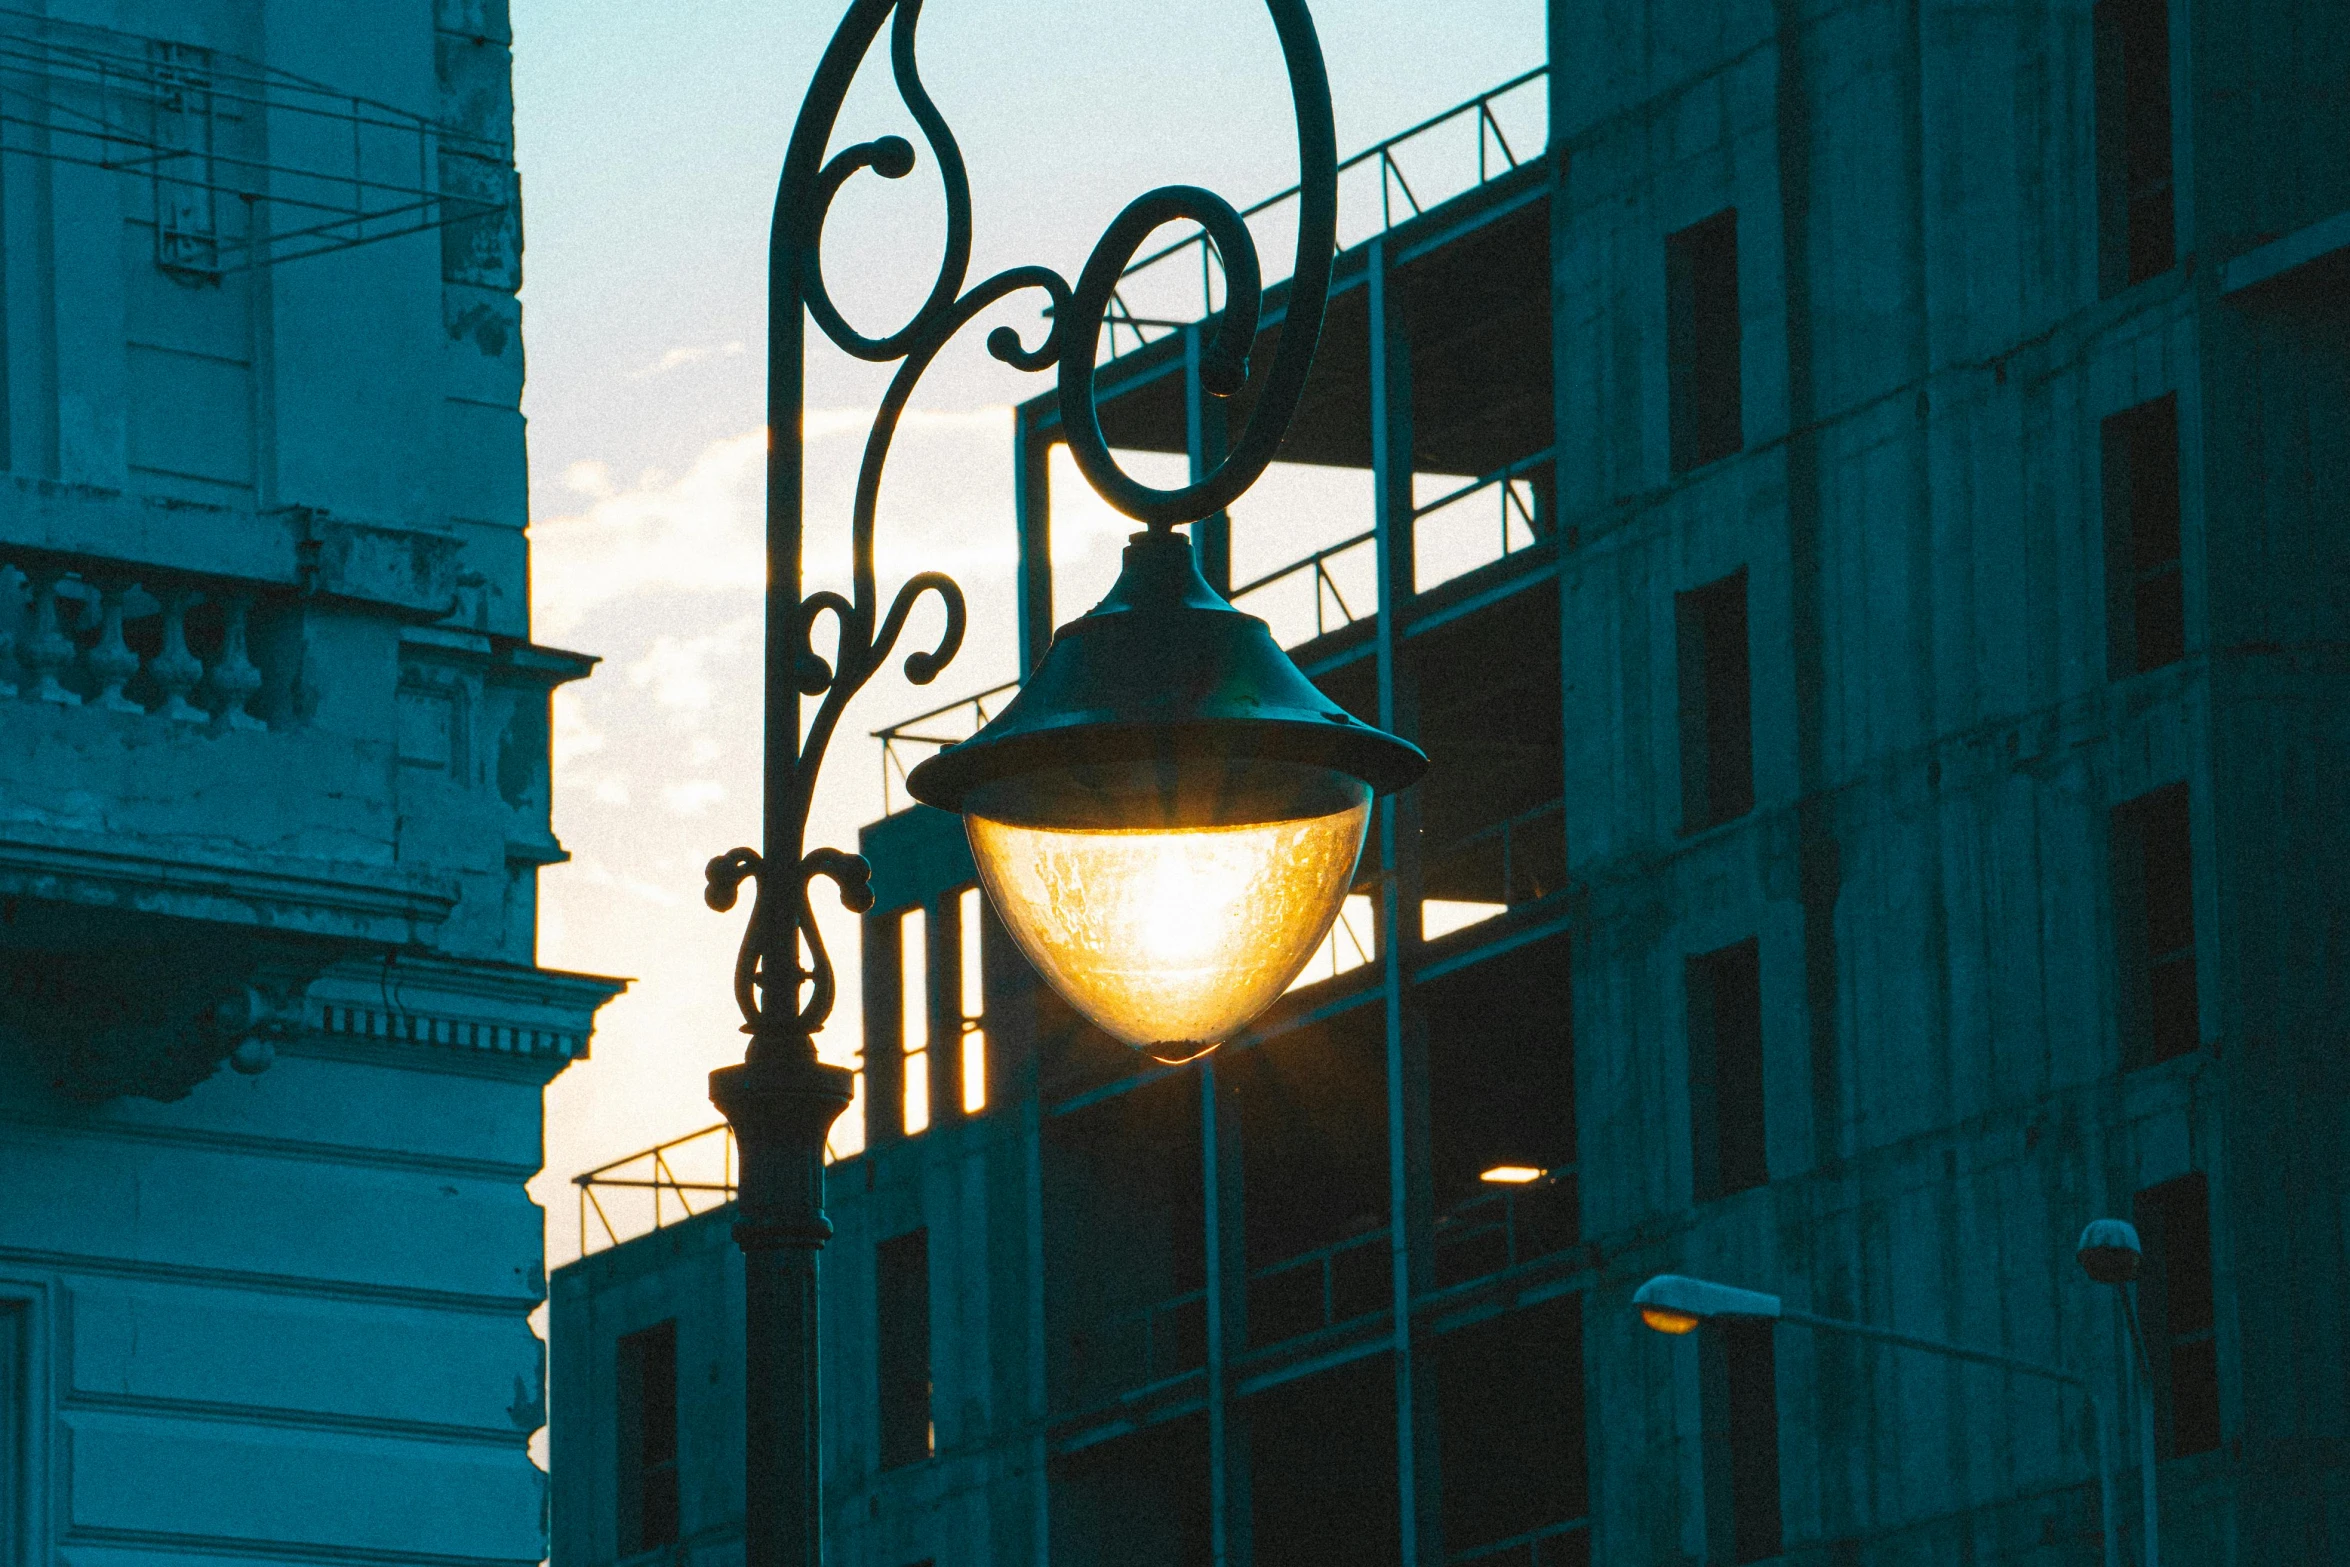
(1168, 816)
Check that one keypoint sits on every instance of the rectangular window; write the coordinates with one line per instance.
(1739, 1397)
(970, 916)
(2154, 918)
(1701, 341)
(2174, 1302)
(901, 1325)
(1717, 734)
(646, 1426)
(914, 1015)
(2146, 611)
(1726, 1071)
(2136, 236)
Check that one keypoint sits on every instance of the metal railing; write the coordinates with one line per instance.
(1532, 847)
(1498, 1230)
(654, 1171)
(1336, 1300)
(962, 717)
(1514, 504)
(1398, 199)
(1543, 1547)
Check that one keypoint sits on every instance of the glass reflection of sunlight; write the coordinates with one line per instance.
(1170, 936)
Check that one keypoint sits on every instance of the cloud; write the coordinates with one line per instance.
(697, 533)
(679, 358)
(693, 797)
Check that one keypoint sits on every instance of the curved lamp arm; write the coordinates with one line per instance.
(769, 972)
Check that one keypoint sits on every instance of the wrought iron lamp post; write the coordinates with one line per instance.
(1165, 759)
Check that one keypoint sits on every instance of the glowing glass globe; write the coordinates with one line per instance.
(1168, 817)
(1174, 934)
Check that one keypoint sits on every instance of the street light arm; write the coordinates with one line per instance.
(1982, 1357)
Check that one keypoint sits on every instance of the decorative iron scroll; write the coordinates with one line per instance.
(770, 966)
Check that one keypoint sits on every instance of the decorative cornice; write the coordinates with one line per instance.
(429, 999)
(363, 903)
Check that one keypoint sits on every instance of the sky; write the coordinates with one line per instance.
(649, 134)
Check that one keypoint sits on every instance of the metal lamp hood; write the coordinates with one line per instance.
(1164, 670)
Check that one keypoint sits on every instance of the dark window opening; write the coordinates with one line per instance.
(2136, 237)
(2175, 1314)
(1509, 1397)
(1701, 341)
(2154, 917)
(1501, 1111)
(1726, 1071)
(2146, 612)
(647, 1433)
(1717, 735)
(1139, 1500)
(1739, 1390)
(901, 1322)
(1125, 1257)
(1322, 1468)
(1313, 1124)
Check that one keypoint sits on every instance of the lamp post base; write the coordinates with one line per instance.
(781, 1112)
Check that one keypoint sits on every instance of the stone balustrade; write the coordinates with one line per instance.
(176, 648)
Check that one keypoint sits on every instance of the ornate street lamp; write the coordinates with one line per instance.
(1168, 816)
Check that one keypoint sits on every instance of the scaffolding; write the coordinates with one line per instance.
(246, 165)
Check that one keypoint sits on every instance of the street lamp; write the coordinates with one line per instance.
(1674, 1304)
(2108, 1251)
(1168, 817)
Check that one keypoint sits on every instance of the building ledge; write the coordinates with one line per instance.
(2307, 257)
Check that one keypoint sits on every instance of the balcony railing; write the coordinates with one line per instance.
(648, 1191)
(1340, 576)
(1562, 1544)
(180, 649)
(924, 733)
(1505, 1228)
(1379, 187)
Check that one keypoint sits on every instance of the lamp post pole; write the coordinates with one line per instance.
(781, 1100)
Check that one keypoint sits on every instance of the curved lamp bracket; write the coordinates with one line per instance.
(779, 993)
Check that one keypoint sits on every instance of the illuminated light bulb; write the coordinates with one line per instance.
(1666, 1320)
(1173, 936)
(1512, 1174)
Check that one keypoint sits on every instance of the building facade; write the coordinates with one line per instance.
(1886, 812)
(273, 791)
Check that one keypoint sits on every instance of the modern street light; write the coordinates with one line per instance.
(2109, 1253)
(1167, 818)
(1672, 1303)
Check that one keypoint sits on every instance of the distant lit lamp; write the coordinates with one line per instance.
(1673, 1304)
(1168, 816)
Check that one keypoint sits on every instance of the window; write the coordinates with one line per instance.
(1726, 1071)
(970, 916)
(901, 1321)
(2135, 235)
(2174, 1304)
(1739, 1395)
(914, 1015)
(2146, 614)
(647, 1431)
(1717, 738)
(1701, 341)
(2154, 918)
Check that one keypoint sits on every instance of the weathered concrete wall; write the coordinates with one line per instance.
(274, 792)
(1938, 744)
